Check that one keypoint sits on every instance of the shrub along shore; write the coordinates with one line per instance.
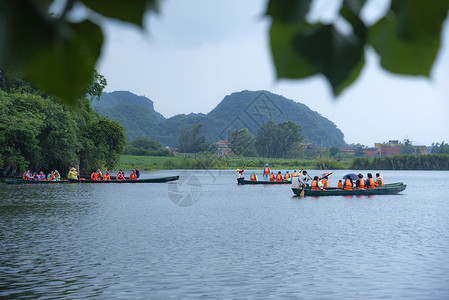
(187, 161)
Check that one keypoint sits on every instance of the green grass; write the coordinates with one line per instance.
(147, 163)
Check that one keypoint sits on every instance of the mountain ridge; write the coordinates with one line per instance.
(245, 109)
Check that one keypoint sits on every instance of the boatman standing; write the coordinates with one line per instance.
(238, 173)
(266, 173)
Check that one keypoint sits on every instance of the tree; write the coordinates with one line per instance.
(277, 140)
(407, 147)
(190, 141)
(143, 146)
(59, 54)
(440, 148)
(243, 143)
(334, 151)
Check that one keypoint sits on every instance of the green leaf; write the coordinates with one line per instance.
(132, 11)
(286, 59)
(65, 67)
(288, 11)
(407, 39)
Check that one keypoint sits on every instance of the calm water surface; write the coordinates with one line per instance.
(206, 237)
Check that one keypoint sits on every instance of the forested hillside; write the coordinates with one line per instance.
(246, 109)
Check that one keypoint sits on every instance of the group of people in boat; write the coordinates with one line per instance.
(348, 184)
(99, 176)
(52, 176)
(267, 175)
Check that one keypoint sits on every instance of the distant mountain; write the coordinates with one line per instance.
(246, 109)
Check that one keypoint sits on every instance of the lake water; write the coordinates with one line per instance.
(206, 237)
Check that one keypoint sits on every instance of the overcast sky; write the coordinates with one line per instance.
(196, 52)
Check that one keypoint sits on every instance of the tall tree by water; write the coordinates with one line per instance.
(277, 140)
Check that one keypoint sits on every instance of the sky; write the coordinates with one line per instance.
(194, 53)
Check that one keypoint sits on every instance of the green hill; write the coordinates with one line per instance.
(246, 109)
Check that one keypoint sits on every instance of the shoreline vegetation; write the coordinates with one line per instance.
(204, 161)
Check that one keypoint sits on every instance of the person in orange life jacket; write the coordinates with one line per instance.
(120, 175)
(238, 173)
(379, 180)
(57, 175)
(106, 176)
(94, 176)
(348, 184)
(34, 176)
(325, 182)
(316, 184)
(340, 184)
(51, 176)
(27, 175)
(360, 183)
(287, 176)
(369, 183)
(99, 175)
(133, 176)
(266, 173)
(253, 176)
(271, 176)
(279, 176)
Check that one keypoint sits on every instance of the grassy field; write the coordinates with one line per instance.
(147, 163)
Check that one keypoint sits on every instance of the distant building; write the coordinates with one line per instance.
(223, 148)
(373, 152)
(348, 150)
(393, 147)
(418, 150)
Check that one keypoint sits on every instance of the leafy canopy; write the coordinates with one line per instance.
(58, 54)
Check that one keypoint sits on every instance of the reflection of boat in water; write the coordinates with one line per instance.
(146, 180)
(387, 189)
(23, 181)
(243, 181)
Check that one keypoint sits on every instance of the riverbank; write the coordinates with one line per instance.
(150, 163)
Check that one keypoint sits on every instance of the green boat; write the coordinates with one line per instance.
(146, 180)
(23, 181)
(387, 189)
(243, 181)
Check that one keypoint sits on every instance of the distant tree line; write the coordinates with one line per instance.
(145, 147)
(273, 140)
(403, 162)
(40, 133)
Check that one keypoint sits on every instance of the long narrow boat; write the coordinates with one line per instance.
(23, 181)
(243, 181)
(387, 189)
(146, 180)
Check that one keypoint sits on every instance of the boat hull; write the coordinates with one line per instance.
(23, 181)
(387, 189)
(146, 180)
(243, 181)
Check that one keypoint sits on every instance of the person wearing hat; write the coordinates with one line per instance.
(238, 173)
(72, 174)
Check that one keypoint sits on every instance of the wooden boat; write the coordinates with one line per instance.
(243, 181)
(146, 180)
(387, 189)
(23, 181)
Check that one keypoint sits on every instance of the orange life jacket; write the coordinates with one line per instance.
(51, 178)
(371, 184)
(287, 176)
(253, 177)
(348, 184)
(279, 177)
(266, 171)
(361, 185)
(25, 176)
(93, 176)
(381, 181)
(120, 177)
(314, 185)
(132, 176)
(106, 177)
(271, 177)
(325, 183)
(340, 184)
